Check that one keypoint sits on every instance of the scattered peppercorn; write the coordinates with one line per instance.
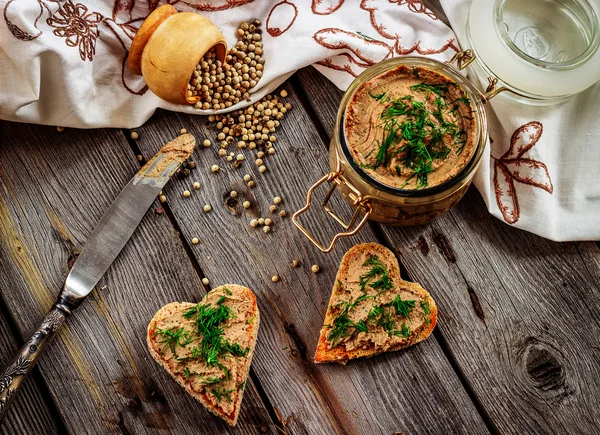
(195, 241)
(315, 268)
(186, 193)
(206, 143)
(268, 221)
(283, 213)
(283, 93)
(272, 208)
(61, 129)
(246, 204)
(205, 281)
(196, 185)
(215, 168)
(140, 157)
(233, 194)
(295, 263)
(162, 198)
(266, 228)
(275, 278)
(253, 223)
(207, 208)
(277, 200)
(262, 169)
(133, 135)
(183, 131)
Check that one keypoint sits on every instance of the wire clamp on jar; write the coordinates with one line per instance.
(360, 205)
(464, 59)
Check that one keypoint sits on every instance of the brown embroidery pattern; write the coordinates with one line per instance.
(381, 29)
(325, 7)
(16, 30)
(212, 6)
(416, 6)
(281, 18)
(337, 39)
(513, 166)
(328, 63)
(78, 26)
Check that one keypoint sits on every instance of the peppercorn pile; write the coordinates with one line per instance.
(253, 127)
(221, 85)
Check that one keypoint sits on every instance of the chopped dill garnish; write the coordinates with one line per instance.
(416, 133)
(403, 308)
(209, 322)
(377, 268)
(379, 97)
(361, 326)
(221, 393)
(433, 88)
(368, 38)
(404, 331)
(211, 381)
(172, 338)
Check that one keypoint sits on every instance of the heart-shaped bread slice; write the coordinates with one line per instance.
(372, 310)
(208, 347)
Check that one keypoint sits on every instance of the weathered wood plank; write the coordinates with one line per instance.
(30, 414)
(518, 312)
(54, 189)
(415, 391)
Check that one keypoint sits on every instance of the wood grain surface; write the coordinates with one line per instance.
(403, 391)
(517, 312)
(54, 189)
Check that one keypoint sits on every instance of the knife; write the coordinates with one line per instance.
(103, 246)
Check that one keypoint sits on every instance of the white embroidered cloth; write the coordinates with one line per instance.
(64, 63)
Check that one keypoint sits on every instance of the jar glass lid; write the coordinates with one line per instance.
(543, 48)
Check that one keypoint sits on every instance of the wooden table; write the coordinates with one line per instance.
(516, 350)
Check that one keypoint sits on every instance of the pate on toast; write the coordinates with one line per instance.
(372, 309)
(207, 347)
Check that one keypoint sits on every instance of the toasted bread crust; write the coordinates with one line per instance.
(339, 354)
(154, 349)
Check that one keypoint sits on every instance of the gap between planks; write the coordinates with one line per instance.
(381, 238)
(188, 250)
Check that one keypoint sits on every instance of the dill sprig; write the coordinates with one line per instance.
(173, 337)
(221, 393)
(403, 308)
(377, 269)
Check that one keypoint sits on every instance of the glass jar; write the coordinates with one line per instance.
(542, 51)
(373, 200)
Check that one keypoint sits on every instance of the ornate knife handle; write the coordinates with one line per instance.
(14, 375)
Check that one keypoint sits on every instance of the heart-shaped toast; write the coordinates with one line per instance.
(372, 310)
(208, 347)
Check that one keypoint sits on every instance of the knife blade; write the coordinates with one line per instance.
(101, 249)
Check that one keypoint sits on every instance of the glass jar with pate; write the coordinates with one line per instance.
(409, 136)
(409, 169)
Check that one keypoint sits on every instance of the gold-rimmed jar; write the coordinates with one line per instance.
(379, 202)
